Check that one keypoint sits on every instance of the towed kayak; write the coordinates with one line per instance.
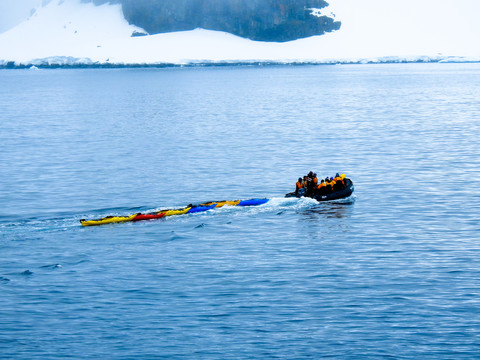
(108, 220)
(176, 212)
(190, 209)
(151, 216)
(335, 195)
(252, 202)
(222, 203)
(200, 208)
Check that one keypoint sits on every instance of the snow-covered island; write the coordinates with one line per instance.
(76, 33)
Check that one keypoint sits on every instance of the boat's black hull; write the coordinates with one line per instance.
(340, 194)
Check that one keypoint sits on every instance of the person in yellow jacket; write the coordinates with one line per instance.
(328, 185)
(333, 183)
(322, 188)
(299, 185)
(338, 182)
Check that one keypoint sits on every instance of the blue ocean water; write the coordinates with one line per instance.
(392, 272)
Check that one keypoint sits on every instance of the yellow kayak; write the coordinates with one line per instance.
(221, 203)
(231, 203)
(108, 220)
(176, 212)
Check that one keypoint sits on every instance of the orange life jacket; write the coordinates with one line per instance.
(299, 185)
(321, 185)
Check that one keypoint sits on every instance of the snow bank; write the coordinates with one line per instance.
(66, 28)
(68, 32)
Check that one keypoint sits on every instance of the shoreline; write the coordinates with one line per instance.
(40, 64)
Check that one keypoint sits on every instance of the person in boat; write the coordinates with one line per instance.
(299, 185)
(310, 177)
(306, 180)
(333, 183)
(309, 185)
(339, 183)
(328, 185)
(322, 188)
(314, 184)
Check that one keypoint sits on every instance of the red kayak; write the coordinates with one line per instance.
(148, 216)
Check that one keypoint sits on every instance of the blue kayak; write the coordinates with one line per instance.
(200, 208)
(252, 202)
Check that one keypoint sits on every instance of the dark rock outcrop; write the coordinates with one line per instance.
(263, 20)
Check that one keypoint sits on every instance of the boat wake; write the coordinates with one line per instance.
(16, 226)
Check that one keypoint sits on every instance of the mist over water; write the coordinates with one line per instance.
(392, 272)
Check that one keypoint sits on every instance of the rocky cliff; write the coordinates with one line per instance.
(263, 20)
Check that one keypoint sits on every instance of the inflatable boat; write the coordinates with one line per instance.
(190, 209)
(335, 195)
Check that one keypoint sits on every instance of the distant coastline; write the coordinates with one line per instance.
(79, 64)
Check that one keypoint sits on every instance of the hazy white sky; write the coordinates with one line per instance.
(406, 26)
(14, 11)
